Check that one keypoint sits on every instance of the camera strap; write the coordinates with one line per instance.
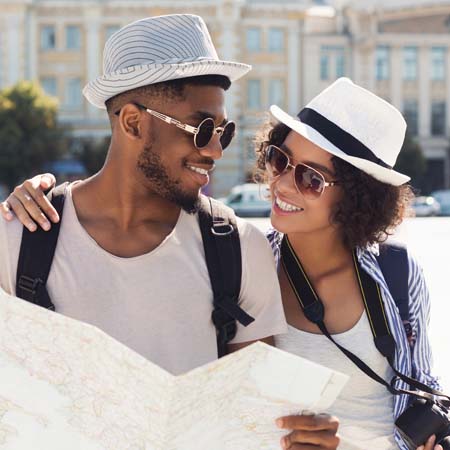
(314, 311)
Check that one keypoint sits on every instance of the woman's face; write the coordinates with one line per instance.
(309, 215)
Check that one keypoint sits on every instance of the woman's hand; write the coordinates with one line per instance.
(318, 432)
(29, 203)
(429, 445)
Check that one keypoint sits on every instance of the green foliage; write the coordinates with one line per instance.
(29, 133)
(411, 161)
(93, 153)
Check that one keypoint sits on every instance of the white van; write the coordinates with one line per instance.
(249, 200)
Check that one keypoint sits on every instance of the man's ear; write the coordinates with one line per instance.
(130, 118)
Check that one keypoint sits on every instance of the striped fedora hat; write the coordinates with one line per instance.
(158, 49)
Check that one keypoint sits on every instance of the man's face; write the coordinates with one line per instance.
(175, 169)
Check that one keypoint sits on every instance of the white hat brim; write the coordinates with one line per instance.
(380, 173)
(107, 86)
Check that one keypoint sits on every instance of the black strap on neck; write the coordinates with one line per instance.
(315, 312)
(36, 256)
(223, 258)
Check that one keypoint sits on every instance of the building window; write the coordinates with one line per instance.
(276, 93)
(382, 62)
(438, 63)
(254, 94)
(410, 63)
(49, 85)
(73, 93)
(438, 113)
(340, 63)
(110, 30)
(411, 113)
(276, 40)
(253, 39)
(73, 37)
(324, 67)
(332, 61)
(48, 37)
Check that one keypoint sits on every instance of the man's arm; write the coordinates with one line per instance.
(29, 203)
(235, 347)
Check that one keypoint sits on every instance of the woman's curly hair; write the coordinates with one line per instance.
(369, 210)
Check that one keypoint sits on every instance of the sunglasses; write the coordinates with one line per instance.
(308, 181)
(203, 133)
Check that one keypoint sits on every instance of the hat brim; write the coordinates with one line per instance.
(380, 173)
(107, 86)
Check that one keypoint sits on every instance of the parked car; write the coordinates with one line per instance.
(424, 206)
(443, 197)
(249, 200)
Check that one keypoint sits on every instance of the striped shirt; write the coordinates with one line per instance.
(413, 358)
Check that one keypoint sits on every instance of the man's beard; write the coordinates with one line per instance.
(150, 164)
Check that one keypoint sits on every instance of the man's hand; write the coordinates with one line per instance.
(310, 432)
(29, 203)
(429, 445)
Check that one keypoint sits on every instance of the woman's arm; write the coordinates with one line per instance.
(419, 311)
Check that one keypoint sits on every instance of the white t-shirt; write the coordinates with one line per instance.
(364, 408)
(160, 303)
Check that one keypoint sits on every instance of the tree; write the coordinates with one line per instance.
(29, 133)
(412, 162)
(92, 153)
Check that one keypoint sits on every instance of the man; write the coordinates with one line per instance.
(130, 258)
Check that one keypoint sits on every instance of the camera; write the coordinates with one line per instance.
(423, 418)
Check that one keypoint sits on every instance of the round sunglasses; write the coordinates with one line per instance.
(308, 181)
(203, 133)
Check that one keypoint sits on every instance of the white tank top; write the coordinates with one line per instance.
(364, 408)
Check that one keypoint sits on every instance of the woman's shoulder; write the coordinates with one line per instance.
(274, 237)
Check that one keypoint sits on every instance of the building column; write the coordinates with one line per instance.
(31, 45)
(424, 93)
(14, 50)
(396, 93)
(294, 81)
(228, 52)
(93, 55)
(228, 48)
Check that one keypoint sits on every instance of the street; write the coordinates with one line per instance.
(429, 240)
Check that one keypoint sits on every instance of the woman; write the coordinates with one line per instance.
(335, 198)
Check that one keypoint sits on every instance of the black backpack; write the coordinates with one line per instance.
(393, 260)
(222, 254)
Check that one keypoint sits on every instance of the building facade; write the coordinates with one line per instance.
(398, 49)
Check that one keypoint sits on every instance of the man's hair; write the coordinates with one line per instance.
(369, 209)
(172, 90)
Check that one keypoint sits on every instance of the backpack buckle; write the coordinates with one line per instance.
(29, 284)
(227, 331)
(225, 325)
(222, 229)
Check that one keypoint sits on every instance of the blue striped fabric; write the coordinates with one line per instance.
(411, 359)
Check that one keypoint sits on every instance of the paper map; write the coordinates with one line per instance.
(67, 385)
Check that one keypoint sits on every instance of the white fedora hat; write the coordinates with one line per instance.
(355, 125)
(158, 49)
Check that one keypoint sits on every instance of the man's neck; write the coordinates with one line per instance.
(122, 200)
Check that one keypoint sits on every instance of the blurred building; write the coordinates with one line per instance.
(399, 49)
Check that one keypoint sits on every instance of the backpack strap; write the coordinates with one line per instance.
(36, 256)
(223, 258)
(393, 260)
